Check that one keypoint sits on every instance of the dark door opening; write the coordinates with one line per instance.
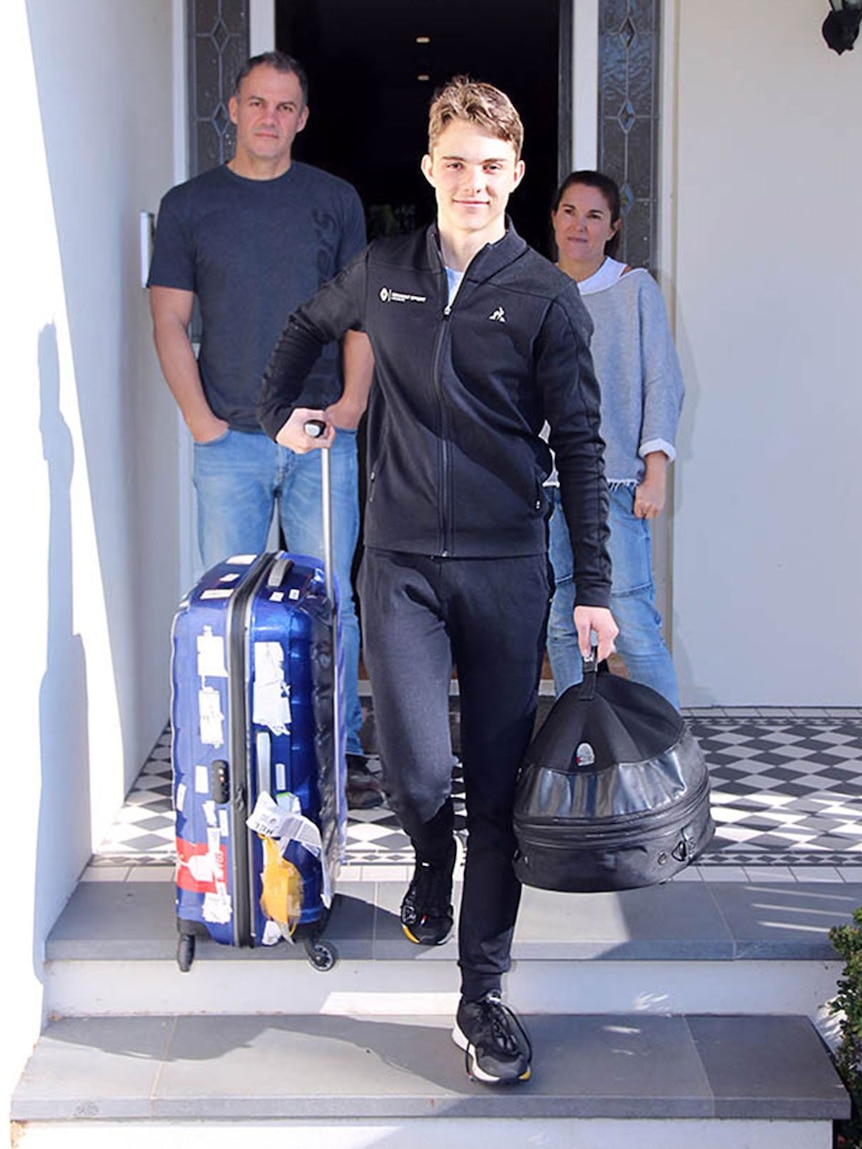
(372, 76)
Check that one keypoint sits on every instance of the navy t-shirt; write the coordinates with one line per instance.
(252, 251)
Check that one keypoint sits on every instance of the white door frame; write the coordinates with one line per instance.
(261, 26)
(585, 83)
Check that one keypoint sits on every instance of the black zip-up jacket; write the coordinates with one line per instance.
(456, 463)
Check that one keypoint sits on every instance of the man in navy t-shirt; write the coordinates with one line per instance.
(251, 240)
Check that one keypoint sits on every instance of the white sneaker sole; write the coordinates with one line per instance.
(473, 1068)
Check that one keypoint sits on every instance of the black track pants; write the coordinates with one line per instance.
(488, 617)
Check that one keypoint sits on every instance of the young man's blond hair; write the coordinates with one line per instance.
(477, 103)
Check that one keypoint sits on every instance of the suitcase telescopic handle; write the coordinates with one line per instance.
(314, 428)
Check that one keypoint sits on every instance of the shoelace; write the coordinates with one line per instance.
(503, 1025)
(431, 887)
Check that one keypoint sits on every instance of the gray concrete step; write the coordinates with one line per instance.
(685, 947)
(662, 1018)
(724, 1075)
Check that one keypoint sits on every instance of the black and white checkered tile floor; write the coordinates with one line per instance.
(786, 794)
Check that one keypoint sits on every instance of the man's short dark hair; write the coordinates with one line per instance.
(281, 62)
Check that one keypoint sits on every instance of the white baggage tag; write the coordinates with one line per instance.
(266, 818)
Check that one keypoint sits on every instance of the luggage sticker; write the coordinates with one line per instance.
(280, 778)
(211, 655)
(217, 906)
(198, 868)
(270, 692)
(211, 718)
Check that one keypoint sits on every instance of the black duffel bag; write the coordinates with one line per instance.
(613, 793)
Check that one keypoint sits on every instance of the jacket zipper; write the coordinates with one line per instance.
(444, 500)
(446, 505)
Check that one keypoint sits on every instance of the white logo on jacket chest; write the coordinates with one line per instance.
(387, 295)
(499, 315)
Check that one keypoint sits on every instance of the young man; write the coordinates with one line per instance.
(477, 341)
(252, 239)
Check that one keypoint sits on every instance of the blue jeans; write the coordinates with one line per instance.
(241, 476)
(640, 639)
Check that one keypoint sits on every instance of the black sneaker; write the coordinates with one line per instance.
(497, 1046)
(426, 912)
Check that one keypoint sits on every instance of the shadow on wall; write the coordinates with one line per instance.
(64, 804)
(692, 693)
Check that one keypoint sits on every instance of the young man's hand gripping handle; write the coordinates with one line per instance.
(595, 626)
(309, 428)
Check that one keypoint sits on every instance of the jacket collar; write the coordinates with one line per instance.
(488, 260)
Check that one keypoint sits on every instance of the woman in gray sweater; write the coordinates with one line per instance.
(642, 390)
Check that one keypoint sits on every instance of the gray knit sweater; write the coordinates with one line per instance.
(638, 371)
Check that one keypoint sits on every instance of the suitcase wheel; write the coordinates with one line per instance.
(185, 952)
(321, 955)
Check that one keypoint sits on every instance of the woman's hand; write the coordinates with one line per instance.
(651, 494)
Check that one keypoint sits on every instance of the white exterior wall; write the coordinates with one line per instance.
(766, 180)
(89, 460)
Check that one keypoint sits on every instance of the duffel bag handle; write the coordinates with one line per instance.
(590, 666)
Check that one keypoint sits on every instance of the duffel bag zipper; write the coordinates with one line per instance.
(584, 831)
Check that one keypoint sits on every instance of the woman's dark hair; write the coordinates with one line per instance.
(609, 189)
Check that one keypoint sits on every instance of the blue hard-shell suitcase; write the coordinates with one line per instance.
(257, 705)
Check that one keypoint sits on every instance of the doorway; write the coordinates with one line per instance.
(369, 109)
(373, 68)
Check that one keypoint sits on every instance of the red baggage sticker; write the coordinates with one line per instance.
(199, 868)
